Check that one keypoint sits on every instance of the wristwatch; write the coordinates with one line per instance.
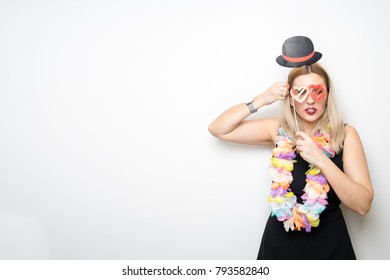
(249, 104)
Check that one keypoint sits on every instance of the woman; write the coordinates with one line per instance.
(310, 137)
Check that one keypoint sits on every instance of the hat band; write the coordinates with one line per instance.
(298, 59)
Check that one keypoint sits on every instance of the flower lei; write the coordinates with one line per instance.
(284, 206)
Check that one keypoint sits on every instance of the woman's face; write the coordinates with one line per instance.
(313, 106)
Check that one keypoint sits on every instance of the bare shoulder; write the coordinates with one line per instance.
(351, 134)
(354, 159)
(353, 147)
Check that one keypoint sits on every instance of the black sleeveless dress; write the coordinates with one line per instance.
(330, 240)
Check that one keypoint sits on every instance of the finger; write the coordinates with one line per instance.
(299, 142)
(284, 84)
(302, 135)
(279, 94)
(281, 88)
(283, 91)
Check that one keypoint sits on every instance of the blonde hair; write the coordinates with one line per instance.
(331, 117)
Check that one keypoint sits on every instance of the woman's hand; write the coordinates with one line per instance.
(308, 149)
(278, 91)
(232, 125)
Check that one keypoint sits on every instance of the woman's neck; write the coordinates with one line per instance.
(308, 128)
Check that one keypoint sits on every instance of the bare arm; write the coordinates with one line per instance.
(353, 186)
(232, 126)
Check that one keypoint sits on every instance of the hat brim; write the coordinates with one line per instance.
(281, 61)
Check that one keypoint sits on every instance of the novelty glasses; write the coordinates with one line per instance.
(317, 92)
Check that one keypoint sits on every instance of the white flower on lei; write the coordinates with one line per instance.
(280, 175)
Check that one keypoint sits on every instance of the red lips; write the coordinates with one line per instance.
(311, 111)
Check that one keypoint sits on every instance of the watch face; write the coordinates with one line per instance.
(249, 100)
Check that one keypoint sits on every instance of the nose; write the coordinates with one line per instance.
(310, 100)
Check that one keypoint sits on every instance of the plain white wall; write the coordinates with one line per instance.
(104, 109)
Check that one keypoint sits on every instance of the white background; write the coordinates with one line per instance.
(104, 109)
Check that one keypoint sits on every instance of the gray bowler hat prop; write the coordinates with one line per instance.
(298, 51)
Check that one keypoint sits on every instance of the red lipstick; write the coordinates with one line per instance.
(311, 111)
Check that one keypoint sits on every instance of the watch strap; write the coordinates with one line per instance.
(251, 107)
